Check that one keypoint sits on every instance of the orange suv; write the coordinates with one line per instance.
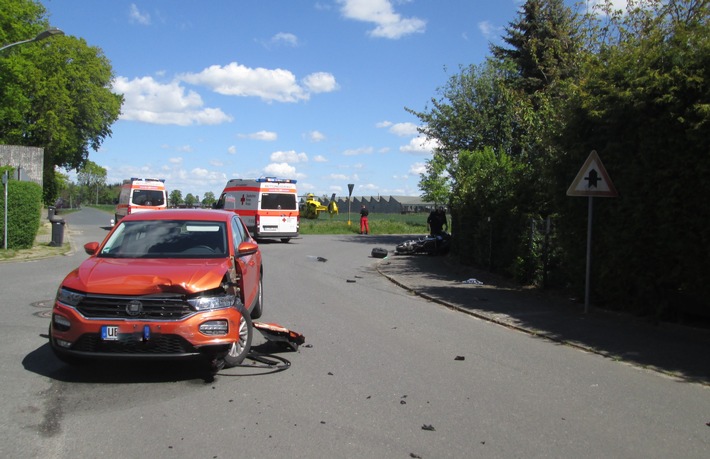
(169, 284)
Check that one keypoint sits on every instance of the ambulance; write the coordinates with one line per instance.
(267, 205)
(139, 195)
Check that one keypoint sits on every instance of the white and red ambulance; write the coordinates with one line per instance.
(139, 195)
(267, 205)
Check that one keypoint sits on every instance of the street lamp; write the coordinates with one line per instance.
(40, 36)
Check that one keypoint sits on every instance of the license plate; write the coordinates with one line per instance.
(109, 333)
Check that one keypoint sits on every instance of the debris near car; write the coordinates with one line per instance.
(277, 333)
(429, 245)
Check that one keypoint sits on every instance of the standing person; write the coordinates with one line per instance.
(364, 225)
(437, 221)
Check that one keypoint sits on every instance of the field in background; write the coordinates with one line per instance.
(338, 224)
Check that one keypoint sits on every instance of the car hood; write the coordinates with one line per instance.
(145, 276)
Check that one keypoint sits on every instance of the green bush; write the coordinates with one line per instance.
(24, 206)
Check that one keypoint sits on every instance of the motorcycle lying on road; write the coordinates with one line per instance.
(430, 245)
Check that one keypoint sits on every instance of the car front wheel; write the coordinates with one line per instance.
(240, 348)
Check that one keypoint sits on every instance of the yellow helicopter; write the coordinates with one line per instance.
(313, 207)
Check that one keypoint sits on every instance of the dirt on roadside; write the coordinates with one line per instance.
(40, 249)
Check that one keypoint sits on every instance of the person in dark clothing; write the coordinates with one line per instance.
(436, 222)
(364, 225)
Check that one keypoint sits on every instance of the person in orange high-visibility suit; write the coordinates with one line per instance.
(364, 225)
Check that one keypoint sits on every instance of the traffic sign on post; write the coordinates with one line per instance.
(350, 193)
(592, 180)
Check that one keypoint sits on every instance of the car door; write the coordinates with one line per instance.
(248, 266)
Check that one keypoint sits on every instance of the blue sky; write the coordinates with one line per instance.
(314, 90)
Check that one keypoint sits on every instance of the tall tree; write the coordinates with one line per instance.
(54, 94)
(91, 176)
(175, 198)
(435, 183)
(190, 199)
(504, 115)
(543, 44)
(208, 199)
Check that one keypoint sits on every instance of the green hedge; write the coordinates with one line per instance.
(24, 206)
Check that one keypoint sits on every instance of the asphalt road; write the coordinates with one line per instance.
(383, 374)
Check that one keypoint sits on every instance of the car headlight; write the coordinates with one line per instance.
(207, 303)
(69, 297)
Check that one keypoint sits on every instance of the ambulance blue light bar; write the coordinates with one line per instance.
(275, 180)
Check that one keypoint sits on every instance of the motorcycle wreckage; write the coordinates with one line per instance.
(429, 245)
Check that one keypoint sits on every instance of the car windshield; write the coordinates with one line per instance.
(148, 198)
(167, 239)
(272, 201)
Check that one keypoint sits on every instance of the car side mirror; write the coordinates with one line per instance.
(247, 248)
(91, 248)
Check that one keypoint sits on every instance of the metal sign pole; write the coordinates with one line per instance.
(4, 182)
(587, 282)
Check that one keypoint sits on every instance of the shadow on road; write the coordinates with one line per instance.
(43, 362)
(669, 348)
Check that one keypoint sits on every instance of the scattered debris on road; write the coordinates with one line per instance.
(275, 332)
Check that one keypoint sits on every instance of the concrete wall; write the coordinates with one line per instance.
(30, 159)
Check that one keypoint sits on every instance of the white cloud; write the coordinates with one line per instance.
(417, 168)
(266, 136)
(403, 129)
(137, 17)
(280, 170)
(489, 30)
(358, 151)
(148, 101)
(286, 38)
(315, 136)
(177, 160)
(268, 84)
(338, 177)
(288, 157)
(320, 159)
(593, 5)
(388, 24)
(420, 145)
(320, 82)
(384, 124)
(232, 150)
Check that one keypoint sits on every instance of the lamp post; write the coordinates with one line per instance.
(4, 185)
(40, 36)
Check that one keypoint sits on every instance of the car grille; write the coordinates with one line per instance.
(133, 343)
(171, 307)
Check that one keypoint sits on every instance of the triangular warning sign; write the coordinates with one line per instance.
(592, 180)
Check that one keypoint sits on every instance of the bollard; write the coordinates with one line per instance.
(51, 212)
(57, 232)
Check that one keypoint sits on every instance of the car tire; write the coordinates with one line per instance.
(239, 349)
(286, 240)
(258, 309)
